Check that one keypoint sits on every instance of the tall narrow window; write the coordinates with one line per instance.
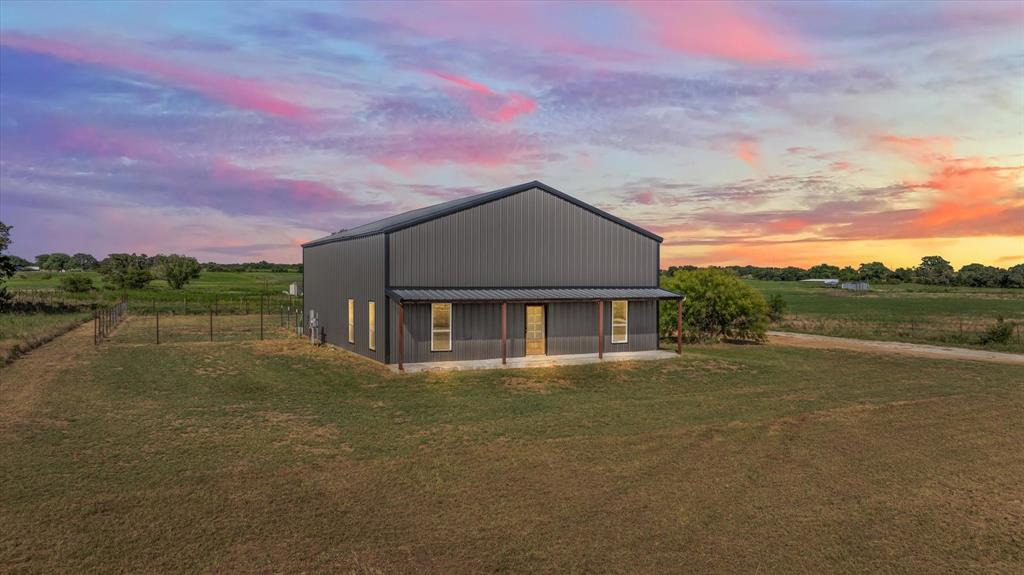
(372, 322)
(351, 321)
(620, 321)
(440, 327)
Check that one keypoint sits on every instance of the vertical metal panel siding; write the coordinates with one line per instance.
(529, 239)
(338, 271)
(642, 327)
(476, 334)
(572, 327)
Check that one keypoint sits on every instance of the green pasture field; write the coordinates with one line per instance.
(274, 456)
(20, 332)
(904, 312)
(228, 290)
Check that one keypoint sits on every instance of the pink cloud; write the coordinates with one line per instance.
(235, 91)
(718, 30)
(920, 150)
(486, 103)
(748, 150)
(645, 197)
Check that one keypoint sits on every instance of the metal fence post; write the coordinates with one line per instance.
(211, 324)
(158, 328)
(261, 318)
(95, 327)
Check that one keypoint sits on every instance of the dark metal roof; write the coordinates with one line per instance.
(526, 294)
(408, 219)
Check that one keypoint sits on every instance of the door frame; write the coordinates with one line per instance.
(526, 341)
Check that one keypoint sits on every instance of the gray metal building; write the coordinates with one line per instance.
(519, 271)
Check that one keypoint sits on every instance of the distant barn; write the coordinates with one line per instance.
(823, 281)
(856, 286)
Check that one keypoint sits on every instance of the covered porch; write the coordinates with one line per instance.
(579, 326)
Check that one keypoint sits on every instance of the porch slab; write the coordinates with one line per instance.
(535, 361)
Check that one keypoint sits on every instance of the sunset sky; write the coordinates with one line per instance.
(770, 134)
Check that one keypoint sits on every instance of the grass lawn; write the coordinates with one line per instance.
(277, 457)
(23, 331)
(903, 312)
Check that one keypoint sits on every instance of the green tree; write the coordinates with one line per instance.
(848, 274)
(903, 275)
(84, 262)
(934, 270)
(823, 271)
(776, 307)
(6, 265)
(1015, 276)
(176, 269)
(718, 305)
(76, 283)
(19, 262)
(979, 275)
(56, 262)
(126, 271)
(874, 271)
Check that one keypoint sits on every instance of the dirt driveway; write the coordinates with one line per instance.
(900, 348)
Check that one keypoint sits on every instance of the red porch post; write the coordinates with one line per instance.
(679, 326)
(600, 330)
(504, 325)
(401, 337)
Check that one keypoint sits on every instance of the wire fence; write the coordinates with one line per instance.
(104, 320)
(163, 301)
(149, 324)
(954, 330)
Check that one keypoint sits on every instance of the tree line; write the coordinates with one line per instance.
(933, 270)
(86, 262)
(135, 271)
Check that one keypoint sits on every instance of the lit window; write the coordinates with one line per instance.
(351, 321)
(620, 321)
(372, 310)
(441, 327)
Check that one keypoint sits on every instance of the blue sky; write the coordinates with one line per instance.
(768, 133)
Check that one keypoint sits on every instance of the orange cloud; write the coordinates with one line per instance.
(969, 193)
(718, 30)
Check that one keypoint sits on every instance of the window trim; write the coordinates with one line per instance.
(451, 324)
(371, 325)
(625, 324)
(351, 320)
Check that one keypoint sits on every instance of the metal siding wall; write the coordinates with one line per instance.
(642, 327)
(572, 327)
(338, 271)
(530, 239)
(476, 334)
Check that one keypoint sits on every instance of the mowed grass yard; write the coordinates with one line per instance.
(903, 312)
(278, 457)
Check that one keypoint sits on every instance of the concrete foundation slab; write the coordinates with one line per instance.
(536, 361)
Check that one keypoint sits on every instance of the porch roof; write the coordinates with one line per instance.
(526, 294)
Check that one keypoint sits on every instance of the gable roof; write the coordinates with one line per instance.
(414, 217)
